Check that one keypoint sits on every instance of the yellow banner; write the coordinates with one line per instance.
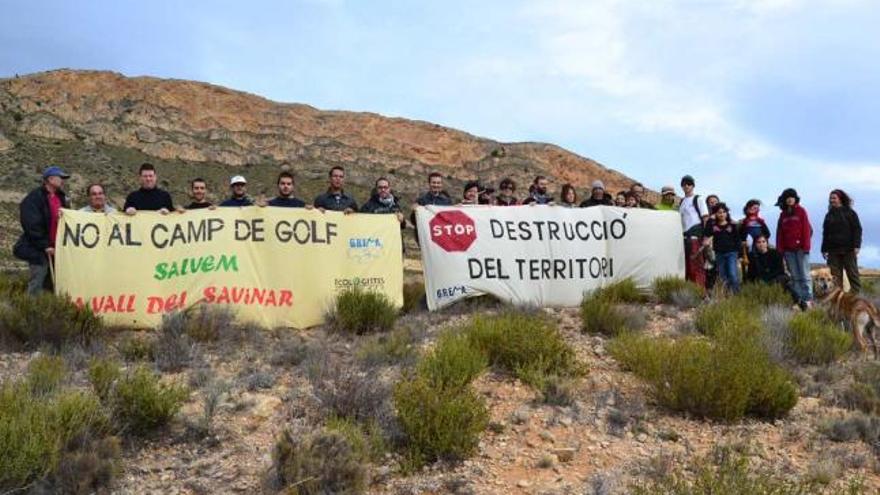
(273, 266)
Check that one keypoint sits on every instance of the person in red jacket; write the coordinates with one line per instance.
(793, 233)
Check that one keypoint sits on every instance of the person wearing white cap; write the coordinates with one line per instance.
(39, 212)
(238, 186)
(667, 199)
(598, 196)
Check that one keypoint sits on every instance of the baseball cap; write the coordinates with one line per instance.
(55, 171)
(667, 190)
(687, 179)
(238, 179)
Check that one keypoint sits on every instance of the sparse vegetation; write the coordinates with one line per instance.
(814, 339)
(396, 347)
(173, 349)
(137, 349)
(677, 291)
(44, 374)
(599, 315)
(728, 472)
(359, 311)
(322, 462)
(30, 322)
(208, 323)
(765, 294)
(366, 439)
(624, 291)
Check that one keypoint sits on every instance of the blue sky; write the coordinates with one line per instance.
(750, 97)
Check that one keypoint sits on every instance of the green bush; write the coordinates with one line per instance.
(624, 291)
(721, 379)
(141, 402)
(45, 374)
(103, 373)
(359, 311)
(453, 363)
(413, 296)
(35, 431)
(523, 344)
(439, 423)
(666, 288)
(765, 294)
(599, 315)
(322, 462)
(815, 339)
(31, 321)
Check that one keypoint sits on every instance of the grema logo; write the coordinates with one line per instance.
(453, 231)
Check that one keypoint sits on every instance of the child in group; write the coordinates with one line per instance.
(723, 238)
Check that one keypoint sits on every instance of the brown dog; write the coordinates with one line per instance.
(860, 313)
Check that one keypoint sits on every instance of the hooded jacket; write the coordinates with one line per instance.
(793, 231)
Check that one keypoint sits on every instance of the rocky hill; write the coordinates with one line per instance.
(101, 125)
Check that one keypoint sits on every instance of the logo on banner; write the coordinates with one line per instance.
(364, 250)
(453, 231)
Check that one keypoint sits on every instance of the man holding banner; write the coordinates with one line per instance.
(149, 197)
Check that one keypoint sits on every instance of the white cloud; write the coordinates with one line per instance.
(865, 177)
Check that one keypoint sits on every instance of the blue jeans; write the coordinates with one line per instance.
(798, 263)
(727, 270)
(37, 278)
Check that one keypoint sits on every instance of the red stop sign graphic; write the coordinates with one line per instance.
(453, 231)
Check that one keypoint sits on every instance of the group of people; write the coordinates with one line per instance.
(713, 241)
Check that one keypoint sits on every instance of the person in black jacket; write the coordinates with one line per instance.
(766, 266)
(39, 212)
(149, 197)
(383, 202)
(598, 196)
(842, 239)
(285, 196)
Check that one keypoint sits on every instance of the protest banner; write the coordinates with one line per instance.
(543, 255)
(272, 266)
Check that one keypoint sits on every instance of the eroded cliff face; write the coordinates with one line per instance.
(195, 122)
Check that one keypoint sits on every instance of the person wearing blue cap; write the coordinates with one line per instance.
(38, 213)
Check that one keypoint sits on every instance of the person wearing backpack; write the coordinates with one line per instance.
(694, 214)
(793, 233)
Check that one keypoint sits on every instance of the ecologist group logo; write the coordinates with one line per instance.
(453, 231)
(364, 249)
(340, 284)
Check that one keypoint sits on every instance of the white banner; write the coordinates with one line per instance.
(543, 255)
